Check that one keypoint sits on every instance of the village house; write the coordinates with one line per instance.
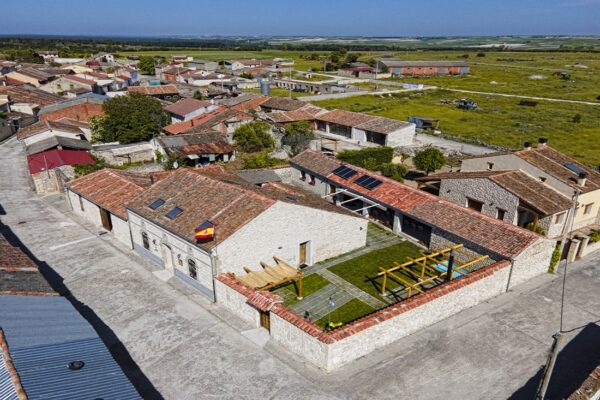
(81, 108)
(188, 108)
(48, 55)
(281, 104)
(243, 102)
(511, 196)
(356, 130)
(196, 148)
(50, 169)
(423, 68)
(33, 76)
(203, 65)
(46, 129)
(164, 92)
(59, 143)
(120, 154)
(68, 83)
(100, 198)
(27, 100)
(223, 120)
(251, 224)
(7, 67)
(308, 112)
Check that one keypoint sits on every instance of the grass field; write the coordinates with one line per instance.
(359, 271)
(310, 285)
(499, 120)
(350, 311)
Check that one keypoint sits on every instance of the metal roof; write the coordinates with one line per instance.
(44, 334)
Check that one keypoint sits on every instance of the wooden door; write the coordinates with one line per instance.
(265, 320)
(303, 255)
(106, 220)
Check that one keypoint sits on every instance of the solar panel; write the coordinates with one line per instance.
(368, 182)
(174, 212)
(574, 168)
(344, 172)
(156, 203)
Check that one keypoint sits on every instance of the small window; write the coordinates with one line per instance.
(500, 213)
(302, 175)
(192, 269)
(559, 218)
(174, 213)
(490, 165)
(145, 241)
(81, 203)
(474, 204)
(588, 208)
(312, 180)
(156, 203)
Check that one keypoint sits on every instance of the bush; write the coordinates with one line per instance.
(394, 171)
(371, 158)
(576, 119)
(429, 160)
(298, 136)
(555, 258)
(481, 54)
(261, 160)
(169, 162)
(81, 170)
(595, 236)
(253, 137)
(534, 226)
(146, 65)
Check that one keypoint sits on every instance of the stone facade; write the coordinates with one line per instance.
(281, 229)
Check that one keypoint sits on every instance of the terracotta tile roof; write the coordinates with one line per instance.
(497, 236)
(35, 73)
(80, 80)
(111, 189)
(184, 126)
(459, 175)
(186, 106)
(363, 121)
(154, 90)
(64, 125)
(28, 94)
(306, 113)
(553, 162)
(282, 103)
(196, 143)
(213, 194)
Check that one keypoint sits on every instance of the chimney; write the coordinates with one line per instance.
(542, 142)
(527, 146)
(581, 178)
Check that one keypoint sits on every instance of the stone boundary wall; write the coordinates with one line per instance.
(331, 350)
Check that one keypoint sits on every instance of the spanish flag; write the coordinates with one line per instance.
(205, 231)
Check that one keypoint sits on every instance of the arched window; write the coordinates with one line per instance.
(192, 269)
(145, 241)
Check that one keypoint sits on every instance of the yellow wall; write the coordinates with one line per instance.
(24, 78)
(582, 219)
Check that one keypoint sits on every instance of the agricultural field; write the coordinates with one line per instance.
(498, 120)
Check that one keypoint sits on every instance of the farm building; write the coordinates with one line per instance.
(423, 68)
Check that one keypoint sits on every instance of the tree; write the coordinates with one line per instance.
(429, 160)
(246, 75)
(198, 95)
(261, 160)
(84, 169)
(129, 119)
(146, 65)
(253, 137)
(394, 171)
(298, 136)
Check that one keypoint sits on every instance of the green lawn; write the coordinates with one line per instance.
(350, 311)
(280, 92)
(310, 285)
(361, 270)
(499, 120)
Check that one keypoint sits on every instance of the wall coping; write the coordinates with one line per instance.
(267, 301)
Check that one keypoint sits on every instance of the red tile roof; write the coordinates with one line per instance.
(306, 113)
(80, 80)
(186, 106)
(111, 189)
(154, 90)
(64, 125)
(51, 159)
(25, 94)
(497, 236)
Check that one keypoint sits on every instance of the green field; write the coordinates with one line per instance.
(350, 311)
(499, 120)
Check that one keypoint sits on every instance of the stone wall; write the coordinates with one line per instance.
(121, 230)
(236, 303)
(401, 137)
(441, 239)
(535, 260)
(328, 234)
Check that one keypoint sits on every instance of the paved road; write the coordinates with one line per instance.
(188, 349)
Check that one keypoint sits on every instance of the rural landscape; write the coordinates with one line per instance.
(252, 202)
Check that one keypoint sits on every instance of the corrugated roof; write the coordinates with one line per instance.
(51, 159)
(44, 334)
(63, 125)
(55, 141)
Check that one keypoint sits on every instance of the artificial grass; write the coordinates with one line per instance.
(362, 270)
(348, 312)
(310, 285)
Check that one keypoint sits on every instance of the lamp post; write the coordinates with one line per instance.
(331, 304)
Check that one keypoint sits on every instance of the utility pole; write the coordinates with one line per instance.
(557, 337)
(290, 83)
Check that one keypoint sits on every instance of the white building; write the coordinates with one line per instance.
(46, 129)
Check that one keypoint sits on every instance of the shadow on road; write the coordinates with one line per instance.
(111, 341)
(574, 364)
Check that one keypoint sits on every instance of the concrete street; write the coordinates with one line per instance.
(176, 345)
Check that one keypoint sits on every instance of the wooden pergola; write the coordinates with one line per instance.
(419, 272)
(271, 276)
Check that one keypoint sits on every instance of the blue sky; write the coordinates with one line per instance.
(301, 17)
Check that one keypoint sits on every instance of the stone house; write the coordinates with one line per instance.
(188, 108)
(197, 148)
(423, 68)
(223, 120)
(100, 198)
(420, 216)
(252, 224)
(50, 169)
(512, 196)
(81, 108)
(70, 82)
